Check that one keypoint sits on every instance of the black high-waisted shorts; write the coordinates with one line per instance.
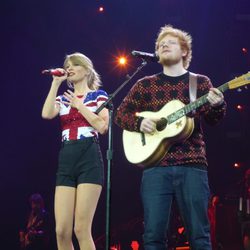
(80, 161)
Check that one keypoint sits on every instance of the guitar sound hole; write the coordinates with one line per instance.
(161, 124)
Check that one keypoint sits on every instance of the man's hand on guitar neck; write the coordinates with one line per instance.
(148, 125)
(215, 97)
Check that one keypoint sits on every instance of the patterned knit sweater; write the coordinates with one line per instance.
(151, 93)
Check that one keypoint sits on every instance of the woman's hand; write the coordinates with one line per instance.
(73, 100)
(57, 80)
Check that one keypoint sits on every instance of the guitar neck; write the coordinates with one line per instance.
(193, 105)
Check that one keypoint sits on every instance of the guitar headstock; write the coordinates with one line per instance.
(239, 81)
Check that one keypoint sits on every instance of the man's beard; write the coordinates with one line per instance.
(169, 61)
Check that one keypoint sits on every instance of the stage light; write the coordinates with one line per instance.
(236, 165)
(239, 107)
(135, 245)
(181, 230)
(244, 50)
(101, 9)
(122, 60)
(116, 247)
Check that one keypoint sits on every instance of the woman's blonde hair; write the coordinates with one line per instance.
(94, 80)
(184, 38)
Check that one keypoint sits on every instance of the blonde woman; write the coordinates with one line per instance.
(80, 168)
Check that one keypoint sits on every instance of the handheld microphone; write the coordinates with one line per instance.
(53, 72)
(146, 56)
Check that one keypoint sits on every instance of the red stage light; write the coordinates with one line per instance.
(181, 230)
(135, 245)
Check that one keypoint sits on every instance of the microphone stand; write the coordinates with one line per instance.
(109, 153)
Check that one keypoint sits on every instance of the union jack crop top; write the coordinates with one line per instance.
(74, 125)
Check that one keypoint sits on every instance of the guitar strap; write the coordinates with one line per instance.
(192, 89)
(192, 86)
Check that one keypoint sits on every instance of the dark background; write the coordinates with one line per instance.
(36, 35)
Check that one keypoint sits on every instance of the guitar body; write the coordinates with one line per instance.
(146, 149)
(157, 145)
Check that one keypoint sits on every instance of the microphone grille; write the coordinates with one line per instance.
(45, 71)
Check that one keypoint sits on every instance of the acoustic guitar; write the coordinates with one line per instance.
(174, 126)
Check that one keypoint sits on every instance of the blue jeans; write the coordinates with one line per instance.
(190, 188)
